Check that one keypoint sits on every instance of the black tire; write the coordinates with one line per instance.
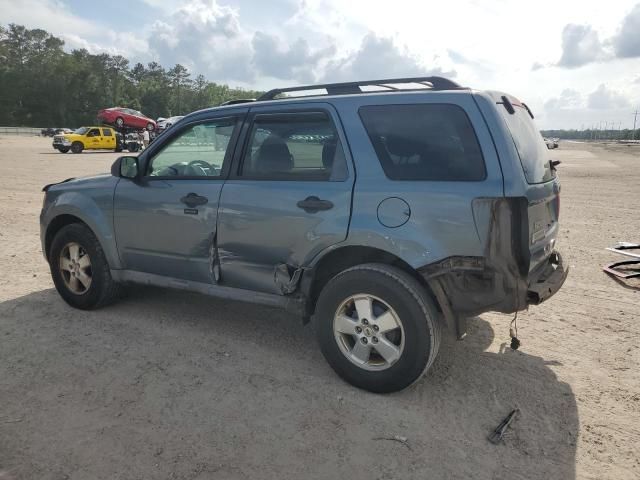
(418, 315)
(77, 147)
(150, 126)
(63, 149)
(120, 122)
(102, 290)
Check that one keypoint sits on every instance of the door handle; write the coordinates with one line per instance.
(313, 204)
(192, 200)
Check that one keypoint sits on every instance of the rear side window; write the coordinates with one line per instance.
(294, 146)
(424, 142)
(533, 152)
(106, 132)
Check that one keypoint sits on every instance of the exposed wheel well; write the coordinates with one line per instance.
(54, 227)
(346, 257)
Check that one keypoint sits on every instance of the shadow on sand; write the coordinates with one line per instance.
(186, 386)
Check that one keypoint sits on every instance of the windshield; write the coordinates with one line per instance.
(81, 130)
(532, 150)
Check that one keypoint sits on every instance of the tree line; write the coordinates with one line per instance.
(593, 134)
(42, 85)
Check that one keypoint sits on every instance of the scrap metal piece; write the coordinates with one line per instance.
(625, 273)
(497, 435)
(623, 248)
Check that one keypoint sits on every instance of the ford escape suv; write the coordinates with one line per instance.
(384, 210)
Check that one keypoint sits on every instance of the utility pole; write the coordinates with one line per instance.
(633, 132)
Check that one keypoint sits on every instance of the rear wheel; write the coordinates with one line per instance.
(150, 126)
(377, 327)
(79, 269)
(120, 122)
(77, 147)
(63, 149)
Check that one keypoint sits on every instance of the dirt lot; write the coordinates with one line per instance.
(171, 385)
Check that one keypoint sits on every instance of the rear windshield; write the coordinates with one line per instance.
(533, 152)
(424, 142)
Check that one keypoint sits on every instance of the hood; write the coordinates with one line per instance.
(93, 181)
(70, 136)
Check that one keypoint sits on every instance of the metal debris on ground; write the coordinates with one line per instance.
(396, 438)
(628, 268)
(498, 434)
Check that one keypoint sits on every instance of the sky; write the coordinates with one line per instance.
(576, 63)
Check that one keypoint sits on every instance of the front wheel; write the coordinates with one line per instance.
(77, 147)
(119, 122)
(79, 269)
(150, 126)
(377, 327)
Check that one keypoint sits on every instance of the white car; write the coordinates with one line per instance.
(164, 123)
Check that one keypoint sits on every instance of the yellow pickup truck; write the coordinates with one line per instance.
(86, 138)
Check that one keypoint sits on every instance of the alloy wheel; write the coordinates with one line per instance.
(75, 268)
(368, 332)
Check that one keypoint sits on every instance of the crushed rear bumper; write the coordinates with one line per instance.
(547, 279)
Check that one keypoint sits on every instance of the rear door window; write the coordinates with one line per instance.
(434, 142)
(294, 146)
(533, 152)
(106, 132)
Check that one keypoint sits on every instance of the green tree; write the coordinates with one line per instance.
(43, 85)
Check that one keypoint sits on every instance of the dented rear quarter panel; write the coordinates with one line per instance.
(441, 222)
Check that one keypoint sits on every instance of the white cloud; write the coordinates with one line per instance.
(205, 37)
(274, 58)
(580, 45)
(568, 99)
(627, 41)
(379, 57)
(605, 99)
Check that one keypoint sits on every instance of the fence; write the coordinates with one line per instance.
(23, 131)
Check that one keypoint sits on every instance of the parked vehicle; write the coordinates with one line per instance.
(130, 142)
(385, 216)
(86, 138)
(126, 117)
(50, 132)
(551, 143)
(165, 123)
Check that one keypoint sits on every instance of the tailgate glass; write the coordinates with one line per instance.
(533, 152)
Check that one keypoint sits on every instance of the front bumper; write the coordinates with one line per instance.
(547, 280)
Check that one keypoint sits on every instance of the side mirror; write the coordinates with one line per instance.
(125, 167)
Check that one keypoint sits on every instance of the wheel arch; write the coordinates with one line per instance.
(339, 259)
(94, 220)
(57, 224)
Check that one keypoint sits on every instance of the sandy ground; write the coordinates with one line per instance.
(171, 385)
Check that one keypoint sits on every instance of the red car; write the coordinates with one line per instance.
(125, 117)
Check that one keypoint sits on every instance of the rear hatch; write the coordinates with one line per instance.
(543, 187)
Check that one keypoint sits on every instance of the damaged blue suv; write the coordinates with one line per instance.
(386, 211)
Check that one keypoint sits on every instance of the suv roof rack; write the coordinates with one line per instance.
(238, 100)
(346, 88)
